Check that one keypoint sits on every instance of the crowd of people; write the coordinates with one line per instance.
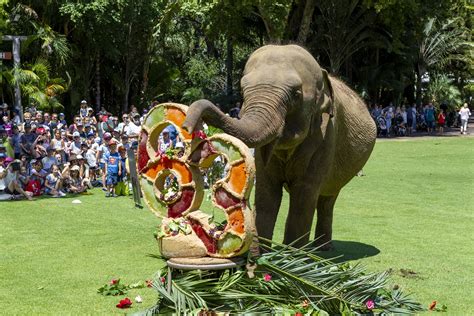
(46, 155)
(404, 121)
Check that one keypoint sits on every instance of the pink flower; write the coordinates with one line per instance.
(370, 304)
(125, 303)
(113, 281)
(267, 277)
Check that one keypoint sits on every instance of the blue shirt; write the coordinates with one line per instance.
(112, 160)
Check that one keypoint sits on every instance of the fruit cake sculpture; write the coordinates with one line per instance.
(172, 185)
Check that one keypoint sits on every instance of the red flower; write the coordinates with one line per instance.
(267, 277)
(298, 314)
(162, 280)
(114, 281)
(125, 303)
(199, 134)
(370, 304)
(432, 306)
(149, 283)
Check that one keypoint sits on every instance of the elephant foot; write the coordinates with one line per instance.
(326, 247)
(324, 244)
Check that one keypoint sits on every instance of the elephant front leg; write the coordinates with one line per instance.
(301, 213)
(323, 233)
(268, 194)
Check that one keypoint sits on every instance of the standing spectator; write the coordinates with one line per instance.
(411, 119)
(464, 114)
(388, 120)
(164, 141)
(102, 151)
(6, 143)
(441, 121)
(15, 141)
(235, 111)
(49, 160)
(83, 110)
(27, 140)
(75, 147)
(429, 114)
(113, 168)
(62, 121)
(122, 185)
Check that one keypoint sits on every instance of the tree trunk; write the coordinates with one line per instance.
(306, 21)
(418, 85)
(230, 67)
(97, 83)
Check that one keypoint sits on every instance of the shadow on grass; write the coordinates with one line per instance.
(349, 250)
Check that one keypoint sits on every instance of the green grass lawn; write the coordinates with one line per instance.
(412, 212)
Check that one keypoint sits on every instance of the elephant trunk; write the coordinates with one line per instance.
(260, 121)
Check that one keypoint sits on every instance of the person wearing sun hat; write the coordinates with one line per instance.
(83, 111)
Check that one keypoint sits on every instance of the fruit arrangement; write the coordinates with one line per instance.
(172, 185)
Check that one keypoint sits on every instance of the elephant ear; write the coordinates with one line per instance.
(328, 95)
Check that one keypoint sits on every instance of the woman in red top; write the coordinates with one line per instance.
(441, 121)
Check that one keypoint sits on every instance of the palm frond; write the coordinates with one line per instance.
(301, 281)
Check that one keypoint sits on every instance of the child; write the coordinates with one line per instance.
(441, 121)
(113, 168)
(74, 181)
(53, 183)
(122, 185)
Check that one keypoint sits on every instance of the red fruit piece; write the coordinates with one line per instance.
(143, 157)
(208, 241)
(225, 199)
(182, 204)
(203, 150)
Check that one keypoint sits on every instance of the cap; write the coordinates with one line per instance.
(90, 134)
(87, 125)
(124, 136)
(9, 160)
(3, 156)
(179, 145)
(79, 123)
(27, 125)
(40, 130)
(76, 134)
(50, 149)
(134, 145)
(61, 114)
(83, 102)
(112, 142)
(84, 145)
(107, 136)
(117, 129)
(79, 157)
(75, 168)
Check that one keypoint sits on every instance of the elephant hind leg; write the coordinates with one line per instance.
(325, 209)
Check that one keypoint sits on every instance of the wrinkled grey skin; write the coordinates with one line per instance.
(312, 134)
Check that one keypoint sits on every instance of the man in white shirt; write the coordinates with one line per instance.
(464, 113)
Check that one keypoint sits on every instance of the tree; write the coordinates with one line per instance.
(440, 44)
(38, 87)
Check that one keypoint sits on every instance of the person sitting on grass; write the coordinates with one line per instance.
(74, 181)
(9, 183)
(53, 183)
(50, 159)
(113, 168)
(84, 171)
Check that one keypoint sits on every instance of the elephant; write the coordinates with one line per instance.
(311, 133)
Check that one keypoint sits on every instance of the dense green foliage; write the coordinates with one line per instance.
(118, 52)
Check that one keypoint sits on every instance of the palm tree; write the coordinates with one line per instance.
(439, 45)
(344, 28)
(441, 89)
(36, 84)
